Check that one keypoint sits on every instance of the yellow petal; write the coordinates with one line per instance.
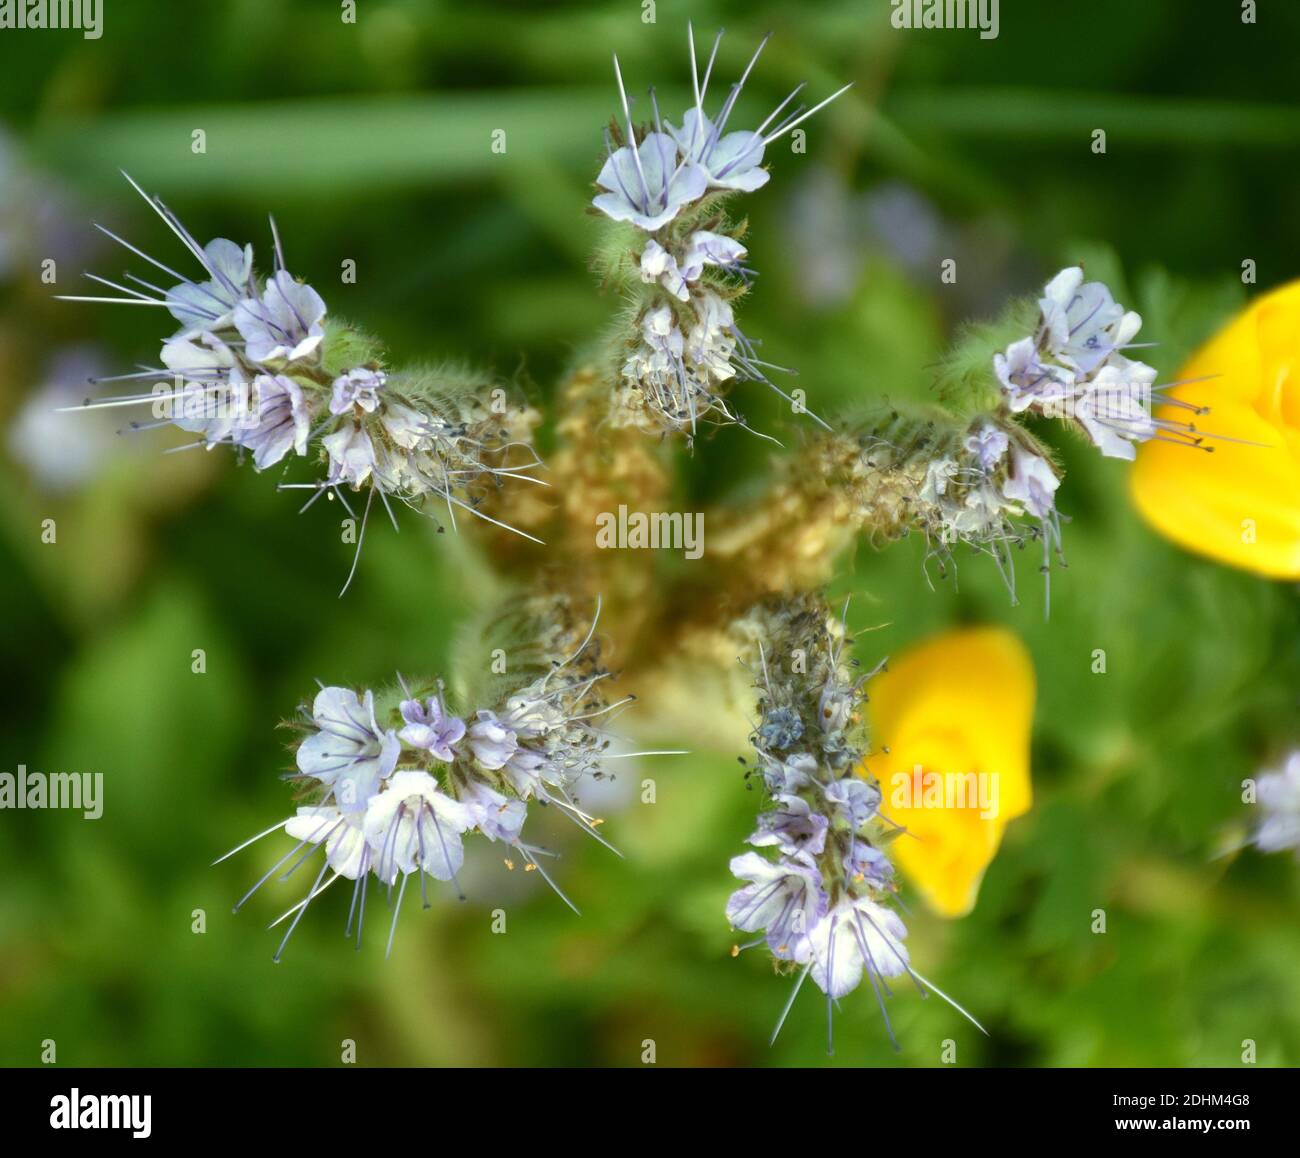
(954, 714)
(1239, 504)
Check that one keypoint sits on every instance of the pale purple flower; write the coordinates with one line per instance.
(856, 934)
(491, 741)
(349, 753)
(868, 862)
(357, 388)
(788, 776)
(854, 799)
(428, 726)
(733, 160)
(730, 161)
(658, 265)
(646, 185)
(706, 248)
(1115, 409)
(284, 323)
(987, 445)
(496, 816)
(351, 454)
(793, 827)
(341, 833)
(1032, 483)
(1082, 323)
(412, 826)
(281, 424)
(210, 305)
(1027, 380)
(784, 898)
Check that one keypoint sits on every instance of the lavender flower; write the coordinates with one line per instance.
(644, 184)
(822, 903)
(785, 899)
(283, 325)
(349, 753)
(247, 369)
(1073, 367)
(429, 726)
(397, 788)
(685, 351)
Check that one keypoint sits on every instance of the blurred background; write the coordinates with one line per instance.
(372, 142)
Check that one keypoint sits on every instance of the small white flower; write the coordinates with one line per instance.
(647, 186)
(357, 388)
(1032, 483)
(344, 838)
(351, 454)
(1082, 323)
(706, 248)
(987, 444)
(496, 816)
(658, 265)
(491, 741)
(939, 476)
(281, 421)
(283, 324)
(712, 340)
(1115, 409)
(210, 305)
(856, 934)
(733, 161)
(412, 826)
(349, 753)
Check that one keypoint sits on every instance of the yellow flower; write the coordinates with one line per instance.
(1240, 504)
(950, 726)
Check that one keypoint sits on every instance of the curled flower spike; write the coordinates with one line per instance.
(683, 351)
(257, 365)
(396, 780)
(821, 898)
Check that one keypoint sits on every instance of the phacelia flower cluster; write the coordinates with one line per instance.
(984, 482)
(981, 490)
(1073, 367)
(683, 350)
(819, 890)
(394, 781)
(256, 364)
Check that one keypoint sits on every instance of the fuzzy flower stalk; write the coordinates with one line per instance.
(677, 256)
(256, 364)
(392, 781)
(964, 471)
(820, 889)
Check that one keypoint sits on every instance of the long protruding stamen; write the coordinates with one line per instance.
(780, 1021)
(631, 134)
(250, 840)
(289, 932)
(397, 912)
(800, 120)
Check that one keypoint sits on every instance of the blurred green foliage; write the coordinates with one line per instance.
(372, 142)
